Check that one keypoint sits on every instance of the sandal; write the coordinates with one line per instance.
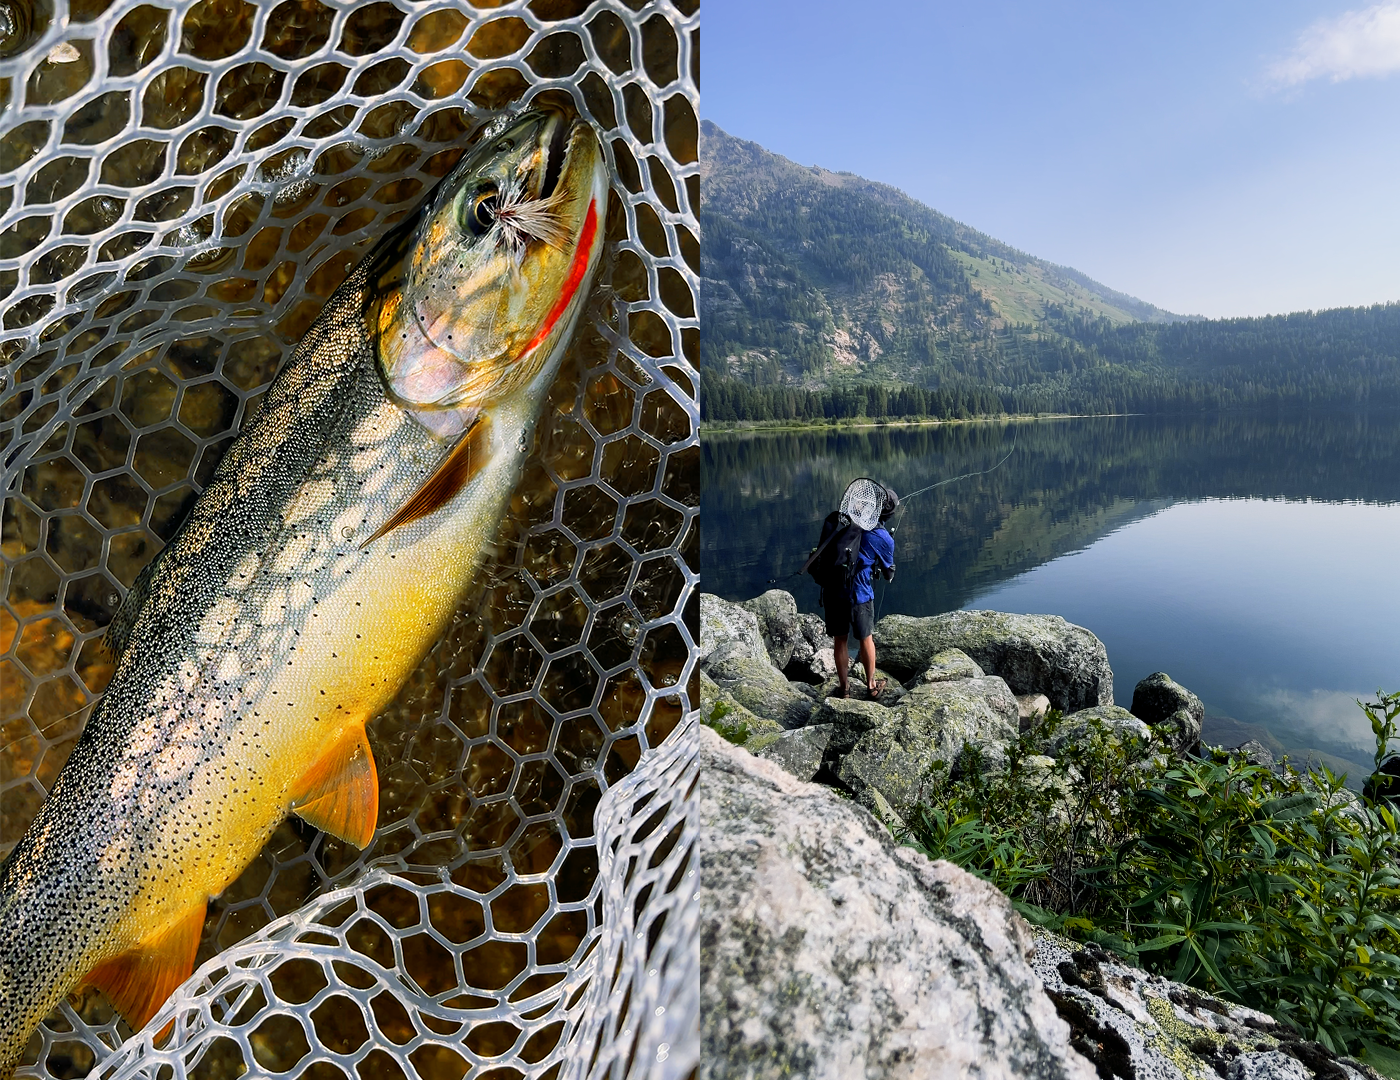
(876, 690)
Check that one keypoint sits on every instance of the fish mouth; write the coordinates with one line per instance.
(493, 273)
(556, 148)
(545, 142)
(559, 142)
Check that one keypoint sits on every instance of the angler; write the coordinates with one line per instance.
(854, 549)
(326, 556)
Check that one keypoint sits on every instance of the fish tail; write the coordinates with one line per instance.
(23, 1004)
(38, 972)
(13, 1035)
(45, 945)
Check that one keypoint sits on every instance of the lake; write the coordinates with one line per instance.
(1256, 559)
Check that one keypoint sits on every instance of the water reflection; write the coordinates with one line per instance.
(1264, 593)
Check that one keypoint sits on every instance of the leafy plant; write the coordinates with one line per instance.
(735, 731)
(1271, 887)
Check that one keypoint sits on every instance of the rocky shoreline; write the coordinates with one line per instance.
(825, 943)
(958, 685)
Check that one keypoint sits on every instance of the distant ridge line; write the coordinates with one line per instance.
(1150, 312)
(824, 295)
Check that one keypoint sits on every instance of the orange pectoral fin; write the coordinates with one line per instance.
(340, 793)
(451, 476)
(139, 981)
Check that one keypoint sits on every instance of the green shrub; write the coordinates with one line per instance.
(735, 731)
(1279, 890)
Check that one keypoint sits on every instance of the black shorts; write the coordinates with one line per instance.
(842, 616)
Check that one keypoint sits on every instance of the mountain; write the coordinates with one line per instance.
(828, 294)
(830, 274)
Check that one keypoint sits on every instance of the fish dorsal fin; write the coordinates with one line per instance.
(454, 473)
(138, 981)
(340, 793)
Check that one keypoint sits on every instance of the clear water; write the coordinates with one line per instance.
(1256, 559)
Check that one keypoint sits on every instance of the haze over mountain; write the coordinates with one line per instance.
(823, 288)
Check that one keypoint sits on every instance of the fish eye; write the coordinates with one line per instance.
(478, 212)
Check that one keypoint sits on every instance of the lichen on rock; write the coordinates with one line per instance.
(828, 952)
(778, 624)
(1035, 654)
(727, 630)
(948, 664)
(761, 688)
(720, 711)
(799, 752)
(1132, 1024)
(897, 750)
(1114, 721)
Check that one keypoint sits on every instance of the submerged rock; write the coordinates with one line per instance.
(776, 612)
(726, 631)
(761, 688)
(798, 752)
(1035, 654)
(948, 664)
(894, 751)
(1161, 700)
(828, 952)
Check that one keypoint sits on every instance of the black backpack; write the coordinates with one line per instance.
(833, 562)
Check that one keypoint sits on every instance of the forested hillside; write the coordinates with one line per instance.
(825, 295)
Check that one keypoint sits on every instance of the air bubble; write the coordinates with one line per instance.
(285, 166)
(293, 192)
(187, 236)
(627, 629)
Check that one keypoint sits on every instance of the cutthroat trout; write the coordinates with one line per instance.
(327, 554)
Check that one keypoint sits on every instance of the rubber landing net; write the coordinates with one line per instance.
(863, 501)
(182, 185)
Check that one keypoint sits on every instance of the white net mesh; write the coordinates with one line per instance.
(181, 187)
(863, 501)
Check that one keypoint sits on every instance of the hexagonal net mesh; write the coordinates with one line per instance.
(182, 185)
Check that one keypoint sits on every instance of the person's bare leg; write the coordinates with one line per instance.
(867, 661)
(843, 664)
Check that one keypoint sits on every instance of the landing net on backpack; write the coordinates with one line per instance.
(834, 563)
(863, 502)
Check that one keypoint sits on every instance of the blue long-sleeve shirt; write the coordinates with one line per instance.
(876, 546)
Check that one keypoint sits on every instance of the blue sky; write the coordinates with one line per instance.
(1217, 158)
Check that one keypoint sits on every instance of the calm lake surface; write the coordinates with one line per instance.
(1256, 559)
